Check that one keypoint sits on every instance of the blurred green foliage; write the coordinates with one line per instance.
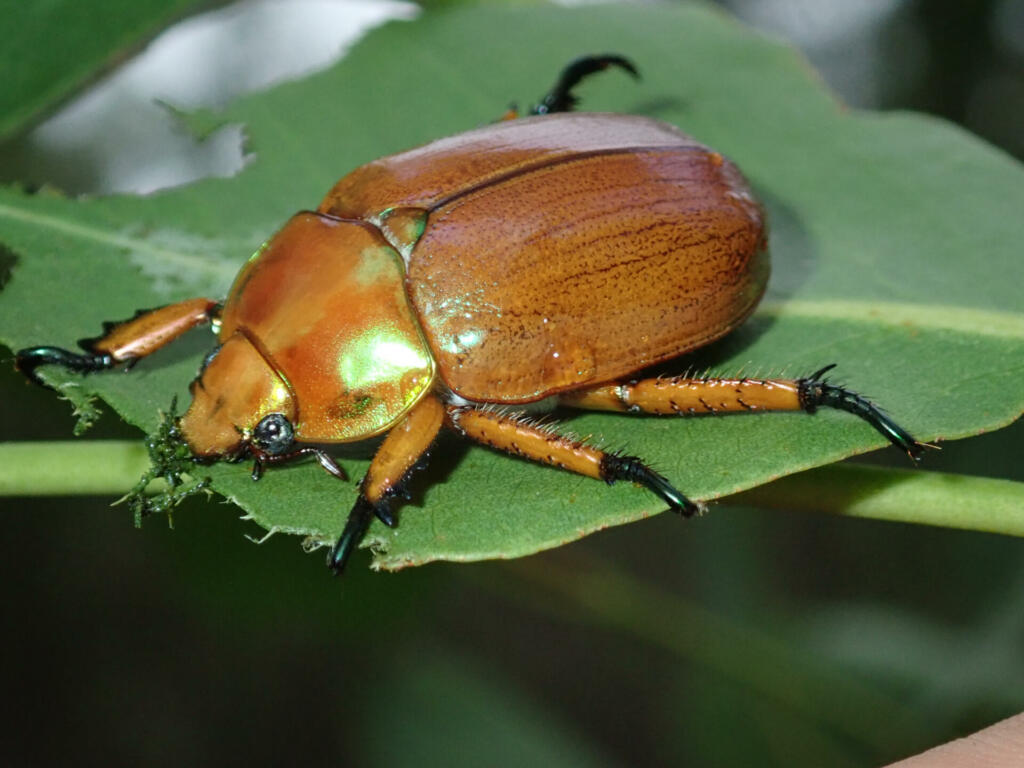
(55, 47)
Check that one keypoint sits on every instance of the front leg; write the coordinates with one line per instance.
(403, 449)
(124, 342)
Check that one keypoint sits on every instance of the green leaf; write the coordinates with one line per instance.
(895, 244)
(935, 498)
(53, 48)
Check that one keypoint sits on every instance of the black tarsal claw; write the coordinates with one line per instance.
(355, 528)
(561, 97)
(815, 391)
(615, 467)
(382, 509)
(28, 360)
(816, 376)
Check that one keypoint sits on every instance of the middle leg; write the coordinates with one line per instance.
(514, 433)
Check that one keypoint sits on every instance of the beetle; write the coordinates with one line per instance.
(535, 262)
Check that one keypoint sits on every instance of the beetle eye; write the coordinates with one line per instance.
(274, 434)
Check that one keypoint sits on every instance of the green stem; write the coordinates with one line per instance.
(907, 496)
(111, 467)
(71, 468)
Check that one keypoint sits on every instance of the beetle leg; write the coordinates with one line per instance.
(689, 397)
(27, 360)
(355, 528)
(512, 113)
(561, 98)
(514, 433)
(326, 461)
(402, 451)
(124, 342)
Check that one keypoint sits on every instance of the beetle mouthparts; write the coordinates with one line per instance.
(170, 459)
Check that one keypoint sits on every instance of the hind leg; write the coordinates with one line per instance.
(684, 396)
(561, 97)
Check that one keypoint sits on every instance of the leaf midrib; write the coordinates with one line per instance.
(191, 262)
(968, 320)
(892, 313)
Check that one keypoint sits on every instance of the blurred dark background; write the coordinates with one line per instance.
(760, 638)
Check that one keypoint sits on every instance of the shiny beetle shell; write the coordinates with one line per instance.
(513, 262)
(556, 252)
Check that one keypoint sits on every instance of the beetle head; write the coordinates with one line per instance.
(239, 404)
